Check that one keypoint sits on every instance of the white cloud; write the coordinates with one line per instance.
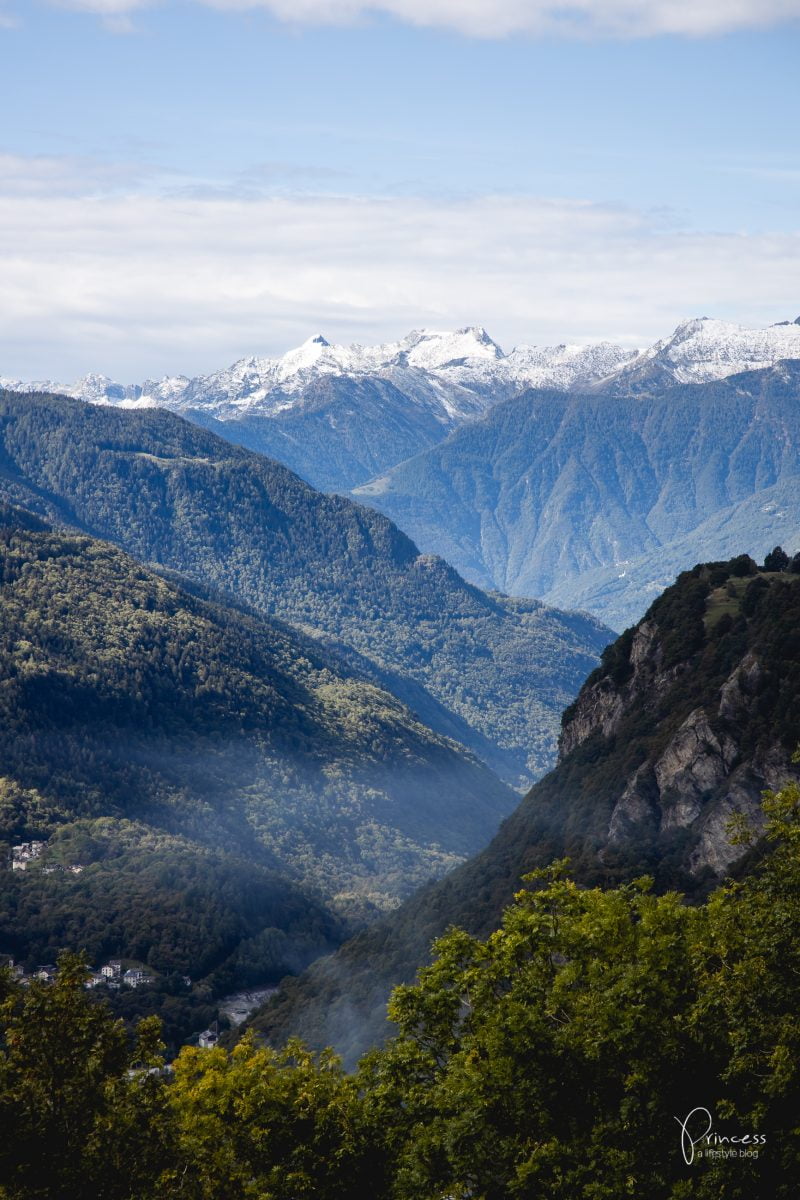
(137, 283)
(64, 175)
(501, 18)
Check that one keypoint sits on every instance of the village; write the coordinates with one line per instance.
(111, 975)
(25, 854)
(116, 974)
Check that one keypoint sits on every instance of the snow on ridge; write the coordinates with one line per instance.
(454, 374)
(704, 349)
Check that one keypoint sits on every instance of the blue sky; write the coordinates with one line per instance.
(183, 184)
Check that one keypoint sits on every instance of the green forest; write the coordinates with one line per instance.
(491, 671)
(599, 1044)
(233, 797)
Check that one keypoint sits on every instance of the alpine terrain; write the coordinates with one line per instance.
(490, 672)
(337, 415)
(596, 499)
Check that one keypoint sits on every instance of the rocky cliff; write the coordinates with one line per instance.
(703, 767)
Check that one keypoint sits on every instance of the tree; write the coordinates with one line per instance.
(75, 1122)
(742, 565)
(776, 560)
(260, 1123)
(552, 1060)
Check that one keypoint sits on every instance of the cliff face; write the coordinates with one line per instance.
(702, 768)
(602, 706)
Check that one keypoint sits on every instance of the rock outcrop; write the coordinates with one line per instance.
(700, 769)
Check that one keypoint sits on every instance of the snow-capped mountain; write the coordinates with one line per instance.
(451, 372)
(340, 415)
(703, 350)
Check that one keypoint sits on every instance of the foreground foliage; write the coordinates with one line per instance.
(549, 1061)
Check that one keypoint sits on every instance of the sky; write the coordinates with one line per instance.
(187, 182)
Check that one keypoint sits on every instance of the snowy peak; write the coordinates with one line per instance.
(451, 374)
(704, 349)
(432, 350)
(312, 352)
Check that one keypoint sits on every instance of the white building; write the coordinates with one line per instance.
(25, 853)
(137, 978)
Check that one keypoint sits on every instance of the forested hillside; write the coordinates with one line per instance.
(235, 794)
(598, 500)
(492, 672)
(691, 715)
(598, 1044)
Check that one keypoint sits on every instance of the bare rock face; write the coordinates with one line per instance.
(600, 707)
(700, 779)
(636, 811)
(742, 794)
(693, 764)
(603, 706)
(671, 793)
(738, 691)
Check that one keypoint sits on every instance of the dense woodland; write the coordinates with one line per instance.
(547, 1062)
(238, 797)
(492, 672)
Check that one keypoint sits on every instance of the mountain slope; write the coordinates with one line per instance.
(769, 517)
(229, 787)
(343, 430)
(492, 672)
(690, 716)
(550, 492)
(340, 414)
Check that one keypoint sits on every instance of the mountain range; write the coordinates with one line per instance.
(490, 672)
(340, 415)
(231, 694)
(598, 499)
(690, 716)
(587, 476)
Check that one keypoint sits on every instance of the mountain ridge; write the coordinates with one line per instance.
(549, 488)
(175, 495)
(340, 415)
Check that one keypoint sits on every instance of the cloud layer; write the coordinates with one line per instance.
(500, 18)
(134, 283)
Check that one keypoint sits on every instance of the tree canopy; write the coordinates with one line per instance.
(560, 1058)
